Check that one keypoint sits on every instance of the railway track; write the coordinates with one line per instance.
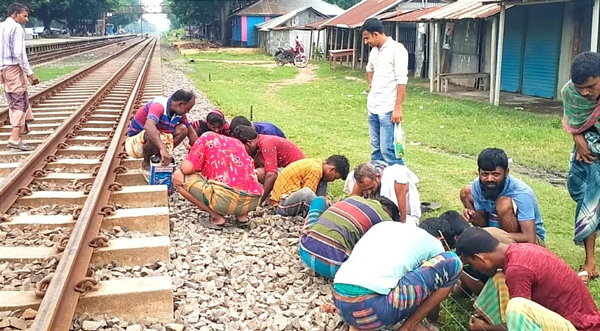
(45, 53)
(66, 205)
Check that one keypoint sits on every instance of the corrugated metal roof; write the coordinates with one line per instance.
(408, 16)
(355, 16)
(318, 24)
(463, 9)
(280, 19)
(282, 7)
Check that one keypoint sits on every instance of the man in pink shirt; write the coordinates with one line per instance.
(218, 177)
(270, 153)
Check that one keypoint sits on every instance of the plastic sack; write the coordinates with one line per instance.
(399, 143)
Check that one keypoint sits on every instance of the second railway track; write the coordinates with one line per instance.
(67, 204)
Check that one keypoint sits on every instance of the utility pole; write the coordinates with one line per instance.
(141, 21)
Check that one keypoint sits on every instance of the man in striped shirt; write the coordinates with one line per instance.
(329, 234)
(14, 72)
(159, 126)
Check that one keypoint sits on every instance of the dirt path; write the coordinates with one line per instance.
(305, 75)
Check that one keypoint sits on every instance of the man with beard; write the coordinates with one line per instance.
(496, 199)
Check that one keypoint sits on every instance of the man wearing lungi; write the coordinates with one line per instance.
(396, 273)
(581, 112)
(537, 291)
(302, 181)
(498, 200)
(159, 126)
(14, 72)
(270, 154)
(331, 232)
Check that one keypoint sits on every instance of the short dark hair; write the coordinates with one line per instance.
(372, 25)
(456, 221)
(475, 241)
(342, 166)
(490, 158)
(390, 207)
(238, 120)
(182, 95)
(585, 65)
(244, 133)
(215, 119)
(436, 226)
(17, 8)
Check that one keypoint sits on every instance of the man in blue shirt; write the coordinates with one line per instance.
(265, 128)
(496, 199)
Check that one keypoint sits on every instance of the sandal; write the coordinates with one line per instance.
(583, 275)
(430, 206)
(209, 225)
(21, 146)
(241, 225)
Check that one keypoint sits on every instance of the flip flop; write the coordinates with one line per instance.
(242, 225)
(209, 225)
(430, 206)
(583, 275)
(21, 146)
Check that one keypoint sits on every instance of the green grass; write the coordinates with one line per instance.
(50, 73)
(328, 116)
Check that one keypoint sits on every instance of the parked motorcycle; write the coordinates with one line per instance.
(294, 55)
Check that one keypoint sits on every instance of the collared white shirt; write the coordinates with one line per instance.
(12, 45)
(390, 69)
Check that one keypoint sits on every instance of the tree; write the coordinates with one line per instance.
(193, 12)
(51, 9)
(345, 4)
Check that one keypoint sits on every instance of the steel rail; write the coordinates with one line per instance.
(75, 77)
(15, 184)
(50, 55)
(60, 301)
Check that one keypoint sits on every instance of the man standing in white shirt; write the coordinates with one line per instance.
(14, 72)
(387, 74)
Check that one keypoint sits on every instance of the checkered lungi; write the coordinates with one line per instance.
(224, 200)
(376, 311)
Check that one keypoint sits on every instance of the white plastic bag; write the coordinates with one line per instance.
(399, 144)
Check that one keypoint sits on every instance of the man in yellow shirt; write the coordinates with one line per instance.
(302, 181)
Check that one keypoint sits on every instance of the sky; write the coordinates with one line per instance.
(160, 20)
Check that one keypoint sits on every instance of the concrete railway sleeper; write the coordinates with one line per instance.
(96, 190)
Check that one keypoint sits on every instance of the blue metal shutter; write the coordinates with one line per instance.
(542, 50)
(253, 21)
(512, 56)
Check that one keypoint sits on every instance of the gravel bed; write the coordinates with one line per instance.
(24, 276)
(30, 236)
(44, 210)
(13, 159)
(40, 185)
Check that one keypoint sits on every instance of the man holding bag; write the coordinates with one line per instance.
(387, 74)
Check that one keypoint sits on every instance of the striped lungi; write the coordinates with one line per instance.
(134, 145)
(222, 199)
(526, 315)
(376, 311)
(14, 82)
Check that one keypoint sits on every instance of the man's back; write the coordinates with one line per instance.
(385, 254)
(535, 273)
(276, 152)
(299, 174)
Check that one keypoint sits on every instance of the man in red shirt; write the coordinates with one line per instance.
(269, 152)
(545, 294)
